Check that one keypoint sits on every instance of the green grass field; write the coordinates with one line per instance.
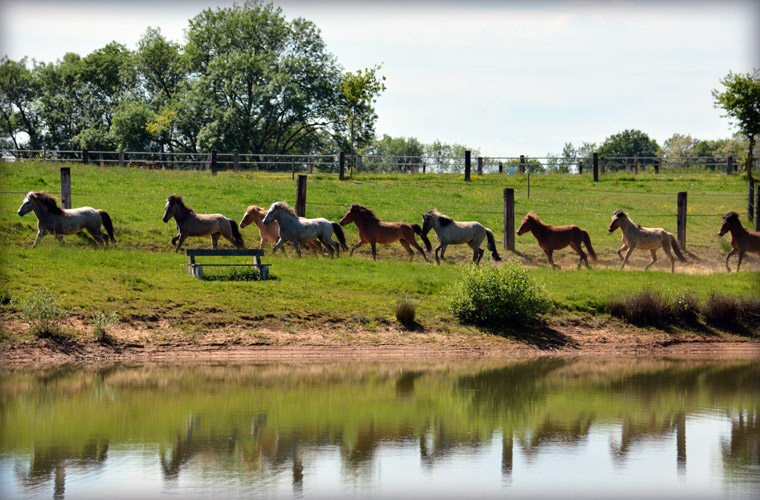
(142, 278)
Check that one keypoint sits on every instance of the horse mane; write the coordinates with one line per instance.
(175, 198)
(532, 215)
(442, 219)
(50, 201)
(283, 205)
(364, 212)
(731, 215)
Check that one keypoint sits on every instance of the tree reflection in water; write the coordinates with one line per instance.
(257, 422)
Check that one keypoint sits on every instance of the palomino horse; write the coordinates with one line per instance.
(191, 224)
(644, 238)
(270, 233)
(55, 220)
(451, 232)
(302, 231)
(551, 238)
(373, 231)
(742, 241)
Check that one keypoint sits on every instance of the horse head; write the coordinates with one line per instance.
(729, 220)
(169, 209)
(276, 210)
(428, 220)
(253, 214)
(26, 206)
(527, 223)
(617, 216)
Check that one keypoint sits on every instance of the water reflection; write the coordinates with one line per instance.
(317, 430)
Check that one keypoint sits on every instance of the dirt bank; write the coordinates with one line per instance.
(558, 338)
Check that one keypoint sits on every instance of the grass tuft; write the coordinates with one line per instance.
(406, 311)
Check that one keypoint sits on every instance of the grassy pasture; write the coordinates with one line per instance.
(142, 278)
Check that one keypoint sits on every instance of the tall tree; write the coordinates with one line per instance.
(628, 144)
(741, 102)
(360, 91)
(18, 91)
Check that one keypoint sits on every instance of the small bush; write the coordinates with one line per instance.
(43, 313)
(102, 322)
(642, 308)
(497, 297)
(405, 312)
(740, 314)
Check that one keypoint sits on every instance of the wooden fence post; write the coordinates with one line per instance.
(501, 168)
(636, 164)
(750, 199)
(66, 187)
(596, 167)
(480, 165)
(730, 165)
(522, 164)
(121, 158)
(602, 164)
(85, 156)
(580, 167)
(757, 210)
(342, 166)
(358, 163)
(656, 166)
(236, 162)
(424, 167)
(509, 219)
(213, 162)
(310, 165)
(467, 166)
(301, 196)
(682, 219)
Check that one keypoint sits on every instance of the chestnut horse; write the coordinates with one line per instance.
(551, 238)
(644, 238)
(191, 224)
(52, 219)
(270, 233)
(742, 241)
(372, 230)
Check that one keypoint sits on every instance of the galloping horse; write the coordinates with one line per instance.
(301, 231)
(191, 224)
(552, 238)
(55, 220)
(644, 238)
(373, 231)
(269, 232)
(451, 232)
(742, 241)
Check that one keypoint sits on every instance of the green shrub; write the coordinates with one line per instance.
(43, 313)
(497, 297)
(405, 312)
(733, 313)
(102, 322)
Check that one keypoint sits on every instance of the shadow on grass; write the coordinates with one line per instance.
(539, 335)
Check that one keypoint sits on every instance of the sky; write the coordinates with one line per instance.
(508, 78)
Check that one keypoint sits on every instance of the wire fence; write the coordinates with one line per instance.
(373, 163)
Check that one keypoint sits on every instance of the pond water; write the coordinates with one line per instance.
(543, 428)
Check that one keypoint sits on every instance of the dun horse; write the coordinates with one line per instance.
(191, 224)
(270, 233)
(451, 232)
(644, 238)
(742, 241)
(302, 231)
(52, 219)
(551, 238)
(373, 231)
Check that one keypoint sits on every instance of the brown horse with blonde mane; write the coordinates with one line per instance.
(191, 224)
(551, 238)
(742, 241)
(52, 219)
(270, 233)
(373, 231)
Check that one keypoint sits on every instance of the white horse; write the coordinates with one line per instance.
(644, 238)
(301, 231)
(451, 232)
(52, 219)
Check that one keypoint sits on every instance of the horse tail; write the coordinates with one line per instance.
(676, 248)
(425, 240)
(492, 245)
(340, 235)
(236, 234)
(106, 219)
(587, 242)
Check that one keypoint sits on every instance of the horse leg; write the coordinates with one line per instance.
(40, 234)
(278, 245)
(330, 246)
(550, 255)
(666, 248)
(443, 250)
(436, 253)
(361, 242)
(627, 254)
(739, 263)
(654, 259)
(415, 245)
(407, 248)
(621, 249)
(174, 240)
(732, 252)
(480, 253)
(59, 236)
(182, 238)
(374, 250)
(577, 247)
(298, 248)
(214, 240)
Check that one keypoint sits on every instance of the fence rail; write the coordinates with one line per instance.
(331, 163)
